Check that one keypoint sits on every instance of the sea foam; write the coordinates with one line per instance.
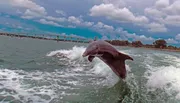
(13, 84)
(165, 77)
(99, 68)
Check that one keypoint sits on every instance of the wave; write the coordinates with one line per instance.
(72, 54)
(95, 73)
(17, 85)
(152, 77)
(161, 73)
(164, 76)
(98, 67)
(37, 86)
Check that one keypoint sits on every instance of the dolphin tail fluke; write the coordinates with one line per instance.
(121, 71)
(119, 68)
(119, 65)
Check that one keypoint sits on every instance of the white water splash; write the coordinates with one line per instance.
(99, 67)
(12, 83)
(74, 53)
(165, 77)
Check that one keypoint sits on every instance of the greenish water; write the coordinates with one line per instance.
(39, 71)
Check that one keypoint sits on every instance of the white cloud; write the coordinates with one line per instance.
(28, 4)
(101, 26)
(174, 8)
(74, 20)
(32, 10)
(108, 27)
(60, 12)
(142, 38)
(55, 19)
(153, 12)
(165, 13)
(18, 11)
(31, 14)
(171, 41)
(35, 11)
(88, 24)
(117, 3)
(43, 21)
(118, 14)
(119, 33)
(172, 20)
(162, 3)
(177, 37)
(105, 30)
(79, 21)
(162, 14)
(156, 27)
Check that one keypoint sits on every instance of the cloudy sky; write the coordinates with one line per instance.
(145, 20)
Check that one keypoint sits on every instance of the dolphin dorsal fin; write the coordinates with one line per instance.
(124, 57)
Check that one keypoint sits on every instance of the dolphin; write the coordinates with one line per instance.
(109, 55)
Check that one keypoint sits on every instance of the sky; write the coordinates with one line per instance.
(144, 20)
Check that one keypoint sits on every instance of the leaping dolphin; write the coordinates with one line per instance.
(108, 54)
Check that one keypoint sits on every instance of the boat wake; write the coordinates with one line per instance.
(151, 78)
(164, 77)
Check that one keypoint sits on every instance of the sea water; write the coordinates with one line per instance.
(41, 71)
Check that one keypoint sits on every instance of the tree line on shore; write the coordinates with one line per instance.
(161, 44)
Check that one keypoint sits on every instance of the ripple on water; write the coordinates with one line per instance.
(17, 87)
(80, 81)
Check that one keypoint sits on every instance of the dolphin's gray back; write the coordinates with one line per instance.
(106, 47)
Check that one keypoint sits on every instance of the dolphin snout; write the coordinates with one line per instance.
(84, 54)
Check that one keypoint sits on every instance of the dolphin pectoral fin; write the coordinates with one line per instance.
(90, 58)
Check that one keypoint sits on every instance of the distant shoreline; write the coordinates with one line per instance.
(56, 39)
(159, 49)
(47, 37)
(138, 44)
(169, 50)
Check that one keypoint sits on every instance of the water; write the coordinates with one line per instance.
(39, 71)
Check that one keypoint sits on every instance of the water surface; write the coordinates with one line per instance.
(39, 71)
